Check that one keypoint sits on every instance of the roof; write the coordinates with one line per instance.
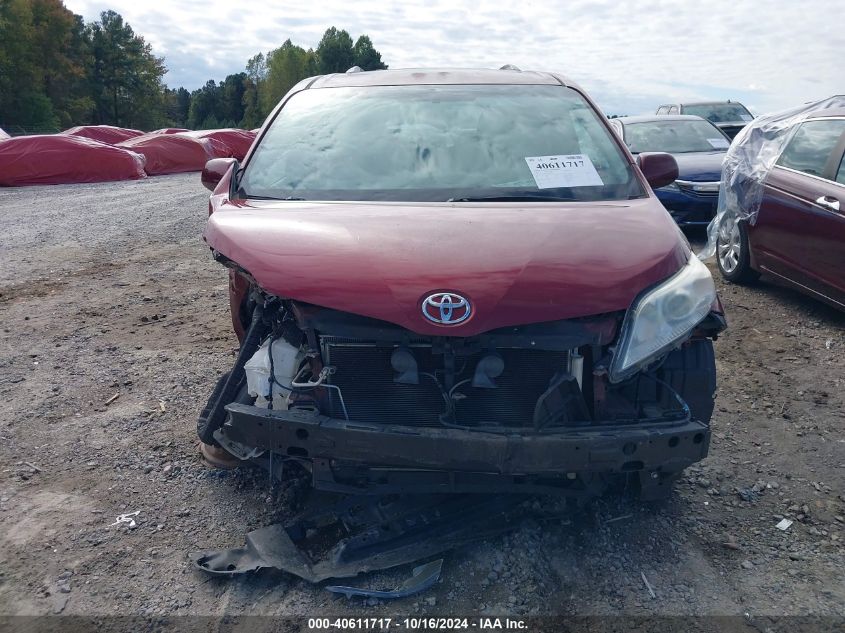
(697, 103)
(650, 118)
(837, 112)
(437, 76)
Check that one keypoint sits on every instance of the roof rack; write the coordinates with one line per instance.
(355, 69)
(510, 67)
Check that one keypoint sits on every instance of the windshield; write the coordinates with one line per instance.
(675, 136)
(720, 112)
(437, 143)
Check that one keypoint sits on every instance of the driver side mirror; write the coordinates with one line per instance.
(660, 169)
(214, 171)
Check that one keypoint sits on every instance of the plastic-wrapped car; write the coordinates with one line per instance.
(173, 153)
(782, 207)
(229, 142)
(108, 134)
(457, 280)
(58, 159)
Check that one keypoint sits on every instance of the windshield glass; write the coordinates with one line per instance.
(720, 112)
(436, 143)
(675, 136)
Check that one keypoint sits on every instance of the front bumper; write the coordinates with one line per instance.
(689, 209)
(354, 456)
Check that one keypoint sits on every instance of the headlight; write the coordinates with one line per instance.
(663, 317)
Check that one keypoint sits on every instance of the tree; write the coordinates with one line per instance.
(203, 104)
(365, 56)
(178, 104)
(22, 99)
(231, 100)
(335, 52)
(62, 56)
(286, 66)
(127, 77)
(57, 71)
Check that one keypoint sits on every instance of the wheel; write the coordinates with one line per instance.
(732, 253)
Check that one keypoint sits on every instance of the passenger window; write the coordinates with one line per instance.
(673, 110)
(810, 147)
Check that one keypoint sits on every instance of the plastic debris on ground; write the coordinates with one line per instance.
(422, 577)
(751, 156)
(59, 159)
(127, 519)
(341, 537)
(784, 524)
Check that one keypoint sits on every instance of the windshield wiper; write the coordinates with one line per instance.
(251, 196)
(516, 198)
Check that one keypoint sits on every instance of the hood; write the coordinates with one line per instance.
(700, 166)
(516, 264)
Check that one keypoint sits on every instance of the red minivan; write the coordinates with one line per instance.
(457, 281)
(799, 233)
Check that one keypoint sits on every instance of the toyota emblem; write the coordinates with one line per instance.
(446, 308)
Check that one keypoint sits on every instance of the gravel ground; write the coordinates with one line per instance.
(115, 326)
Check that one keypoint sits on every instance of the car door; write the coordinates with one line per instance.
(800, 230)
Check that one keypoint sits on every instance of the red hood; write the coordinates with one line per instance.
(515, 263)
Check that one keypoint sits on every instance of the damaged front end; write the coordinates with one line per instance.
(368, 407)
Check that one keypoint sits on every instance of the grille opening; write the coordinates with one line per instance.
(365, 377)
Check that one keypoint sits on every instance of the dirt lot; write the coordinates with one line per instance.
(108, 289)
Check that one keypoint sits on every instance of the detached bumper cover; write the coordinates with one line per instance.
(650, 447)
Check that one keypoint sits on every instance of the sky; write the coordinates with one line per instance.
(629, 56)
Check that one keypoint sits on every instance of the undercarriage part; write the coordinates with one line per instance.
(214, 414)
(422, 577)
(355, 478)
(354, 535)
(217, 457)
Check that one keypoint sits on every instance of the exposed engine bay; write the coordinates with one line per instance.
(369, 407)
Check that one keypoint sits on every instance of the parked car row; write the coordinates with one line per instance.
(728, 116)
(798, 233)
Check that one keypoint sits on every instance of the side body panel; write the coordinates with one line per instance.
(799, 240)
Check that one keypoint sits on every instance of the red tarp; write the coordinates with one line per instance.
(3, 135)
(103, 133)
(171, 153)
(57, 159)
(228, 142)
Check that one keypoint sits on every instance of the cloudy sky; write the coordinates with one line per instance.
(630, 56)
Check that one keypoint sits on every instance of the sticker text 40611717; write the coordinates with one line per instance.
(571, 170)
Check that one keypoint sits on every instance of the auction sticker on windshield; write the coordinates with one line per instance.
(574, 170)
(719, 143)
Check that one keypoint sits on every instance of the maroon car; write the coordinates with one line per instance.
(799, 233)
(457, 281)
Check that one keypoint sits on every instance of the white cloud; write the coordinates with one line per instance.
(630, 56)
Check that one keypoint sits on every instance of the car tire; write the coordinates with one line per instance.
(733, 256)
